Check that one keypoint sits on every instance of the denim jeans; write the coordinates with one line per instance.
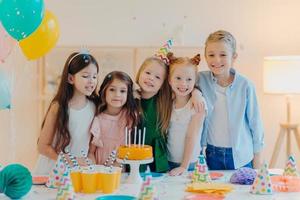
(220, 158)
(173, 165)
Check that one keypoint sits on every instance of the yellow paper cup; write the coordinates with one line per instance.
(100, 170)
(118, 170)
(109, 180)
(89, 181)
(76, 180)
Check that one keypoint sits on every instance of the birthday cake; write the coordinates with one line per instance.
(135, 152)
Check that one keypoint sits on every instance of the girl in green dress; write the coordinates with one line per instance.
(156, 103)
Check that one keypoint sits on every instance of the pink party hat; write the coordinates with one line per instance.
(148, 191)
(262, 183)
(164, 50)
(201, 173)
(66, 190)
(56, 173)
(290, 167)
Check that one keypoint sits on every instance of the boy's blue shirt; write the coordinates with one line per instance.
(245, 124)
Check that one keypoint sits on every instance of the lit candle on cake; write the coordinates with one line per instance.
(139, 137)
(144, 135)
(134, 142)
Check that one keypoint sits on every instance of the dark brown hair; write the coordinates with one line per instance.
(75, 63)
(130, 107)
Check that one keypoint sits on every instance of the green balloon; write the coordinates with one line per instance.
(20, 18)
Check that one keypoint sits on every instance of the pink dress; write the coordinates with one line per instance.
(109, 134)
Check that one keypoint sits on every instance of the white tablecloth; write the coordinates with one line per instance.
(168, 188)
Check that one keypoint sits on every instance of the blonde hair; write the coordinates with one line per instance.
(222, 36)
(182, 61)
(164, 95)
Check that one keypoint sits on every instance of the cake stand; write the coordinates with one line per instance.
(134, 174)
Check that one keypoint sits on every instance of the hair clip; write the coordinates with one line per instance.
(109, 76)
(83, 51)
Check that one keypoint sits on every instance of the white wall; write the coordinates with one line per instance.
(261, 27)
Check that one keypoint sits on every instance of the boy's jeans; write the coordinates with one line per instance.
(220, 158)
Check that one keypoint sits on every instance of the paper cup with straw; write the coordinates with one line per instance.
(87, 160)
(89, 180)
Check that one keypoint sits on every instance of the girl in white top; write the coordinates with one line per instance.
(69, 116)
(186, 125)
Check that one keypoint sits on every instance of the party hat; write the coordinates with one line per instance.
(56, 173)
(148, 191)
(164, 50)
(201, 173)
(262, 183)
(65, 190)
(290, 167)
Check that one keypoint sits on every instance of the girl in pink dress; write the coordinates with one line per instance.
(116, 110)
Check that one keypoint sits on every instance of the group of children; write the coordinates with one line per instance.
(184, 111)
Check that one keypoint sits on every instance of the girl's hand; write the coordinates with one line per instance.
(81, 162)
(197, 101)
(177, 171)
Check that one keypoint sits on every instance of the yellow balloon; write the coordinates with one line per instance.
(43, 39)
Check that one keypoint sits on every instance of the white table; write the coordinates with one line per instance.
(169, 188)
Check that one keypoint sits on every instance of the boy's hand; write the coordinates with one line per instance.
(257, 161)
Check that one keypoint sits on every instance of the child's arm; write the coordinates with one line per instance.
(92, 151)
(190, 140)
(197, 100)
(255, 124)
(47, 134)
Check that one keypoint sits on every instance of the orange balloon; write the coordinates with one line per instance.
(42, 40)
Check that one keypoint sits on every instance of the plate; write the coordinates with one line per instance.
(215, 175)
(275, 171)
(153, 174)
(116, 197)
(39, 180)
(204, 197)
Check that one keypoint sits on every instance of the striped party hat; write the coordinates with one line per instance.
(148, 191)
(164, 50)
(290, 167)
(201, 173)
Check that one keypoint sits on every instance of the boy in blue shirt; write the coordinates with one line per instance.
(233, 130)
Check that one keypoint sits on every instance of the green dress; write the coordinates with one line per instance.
(154, 136)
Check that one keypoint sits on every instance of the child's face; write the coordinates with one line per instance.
(219, 58)
(85, 81)
(151, 79)
(182, 79)
(116, 94)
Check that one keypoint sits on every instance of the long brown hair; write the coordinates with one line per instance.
(164, 95)
(75, 63)
(130, 107)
